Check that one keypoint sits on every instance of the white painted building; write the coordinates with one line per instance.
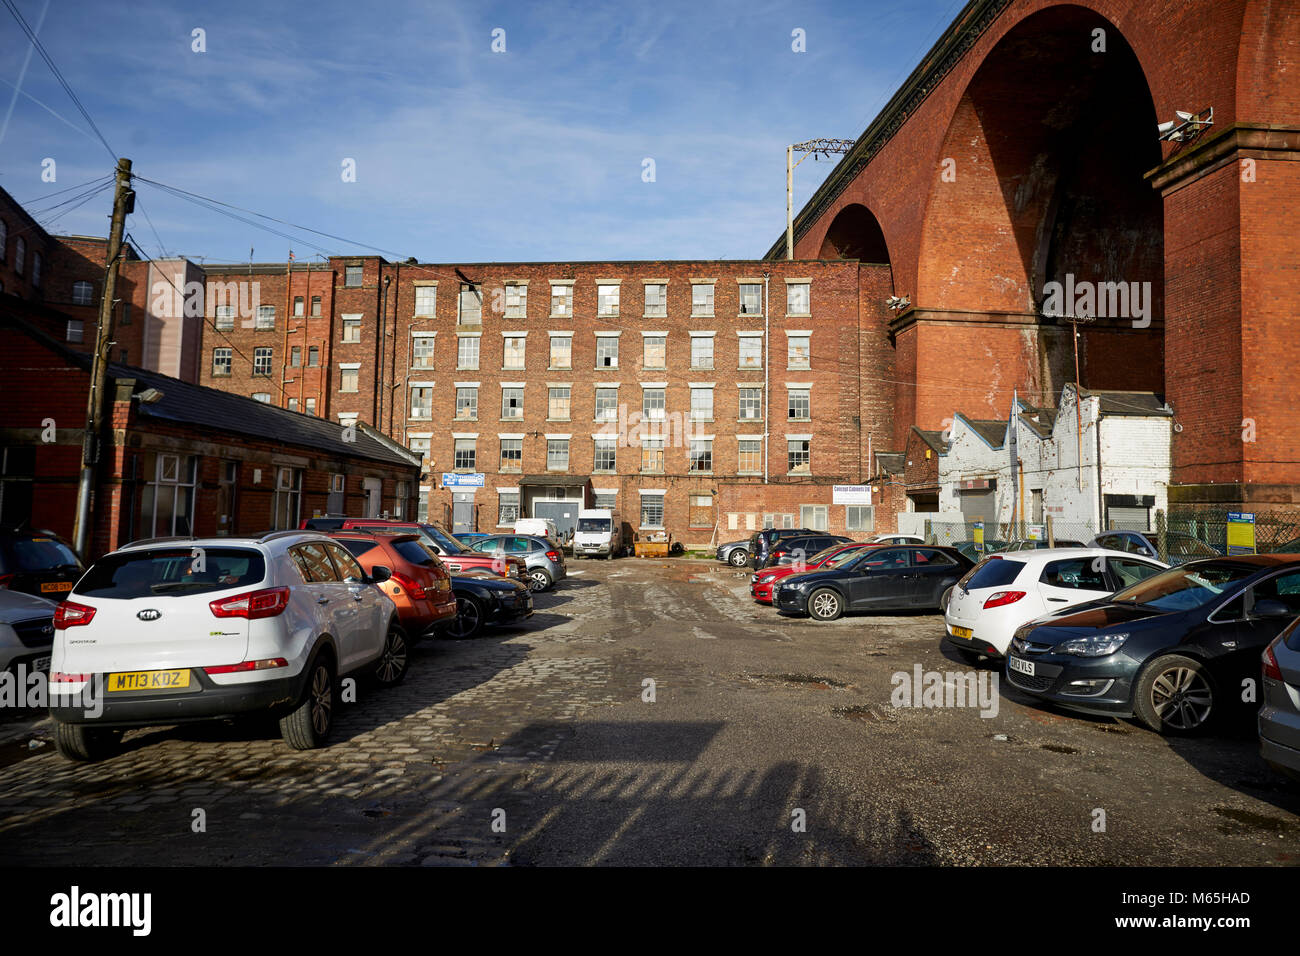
(1105, 464)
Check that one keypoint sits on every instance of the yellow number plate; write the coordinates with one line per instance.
(148, 680)
(963, 632)
(56, 586)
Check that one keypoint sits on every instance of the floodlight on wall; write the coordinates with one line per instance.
(1185, 126)
(148, 396)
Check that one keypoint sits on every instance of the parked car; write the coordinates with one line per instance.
(454, 555)
(419, 584)
(468, 538)
(1038, 544)
(734, 553)
(761, 583)
(599, 533)
(1181, 547)
(760, 543)
(542, 557)
(798, 549)
(327, 522)
(896, 539)
(1006, 590)
(176, 630)
(483, 598)
(543, 527)
(38, 562)
(26, 631)
(896, 577)
(991, 546)
(1171, 650)
(1279, 712)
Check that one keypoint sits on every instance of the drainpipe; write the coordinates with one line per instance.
(767, 365)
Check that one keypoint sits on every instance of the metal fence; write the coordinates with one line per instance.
(1274, 530)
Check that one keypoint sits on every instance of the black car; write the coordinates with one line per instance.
(1180, 548)
(484, 598)
(760, 543)
(38, 562)
(801, 548)
(1172, 650)
(900, 577)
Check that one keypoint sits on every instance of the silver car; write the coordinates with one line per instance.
(26, 630)
(1279, 713)
(543, 558)
(735, 553)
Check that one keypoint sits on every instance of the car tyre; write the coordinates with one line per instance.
(308, 725)
(395, 659)
(469, 619)
(825, 605)
(539, 579)
(1175, 696)
(84, 743)
(738, 558)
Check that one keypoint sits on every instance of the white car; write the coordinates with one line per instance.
(983, 610)
(26, 631)
(178, 629)
(896, 539)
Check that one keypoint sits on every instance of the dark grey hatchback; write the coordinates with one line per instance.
(1174, 650)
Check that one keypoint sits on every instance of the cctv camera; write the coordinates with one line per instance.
(1166, 127)
(1183, 116)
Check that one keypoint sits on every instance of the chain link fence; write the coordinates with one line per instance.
(1274, 531)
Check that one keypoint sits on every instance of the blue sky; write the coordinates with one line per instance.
(461, 154)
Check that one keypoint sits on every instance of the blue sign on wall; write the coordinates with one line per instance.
(452, 480)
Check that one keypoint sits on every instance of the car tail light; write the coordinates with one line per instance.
(58, 677)
(252, 605)
(1001, 598)
(68, 614)
(1271, 670)
(552, 555)
(246, 666)
(5, 579)
(413, 588)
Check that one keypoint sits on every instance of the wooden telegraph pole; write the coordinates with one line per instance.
(123, 204)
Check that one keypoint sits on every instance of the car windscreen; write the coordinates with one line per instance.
(993, 573)
(593, 525)
(35, 554)
(1185, 588)
(415, 552)
(836, 559)
(445, 541)
(1185, 546)
(159, 572)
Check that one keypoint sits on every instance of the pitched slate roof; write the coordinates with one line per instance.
(1115, 402)
(933, 438)
(891, 462)
(184, 403)
(993, 432)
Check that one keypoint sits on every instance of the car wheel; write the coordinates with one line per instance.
(739, 558)
(469, 619)
(825, 605)
(1175, 695)
(394, 660)
(943, 601)
(308, 725)
(85, 743)
(539, 579)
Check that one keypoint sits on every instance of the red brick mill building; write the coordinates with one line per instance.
(1025, 152)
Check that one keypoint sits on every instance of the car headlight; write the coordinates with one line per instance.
(1096, 645)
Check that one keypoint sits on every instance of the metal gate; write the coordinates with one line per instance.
(563, 512)
(462, 512)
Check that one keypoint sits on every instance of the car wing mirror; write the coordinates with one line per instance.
(1270, 608)
(380, 573)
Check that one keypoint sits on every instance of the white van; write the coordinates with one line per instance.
(599, 533)
(538, 526)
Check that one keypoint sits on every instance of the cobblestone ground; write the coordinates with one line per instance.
(768, 740)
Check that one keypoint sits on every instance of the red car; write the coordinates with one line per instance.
(761, 582)
(420, 586)
(455, 555)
